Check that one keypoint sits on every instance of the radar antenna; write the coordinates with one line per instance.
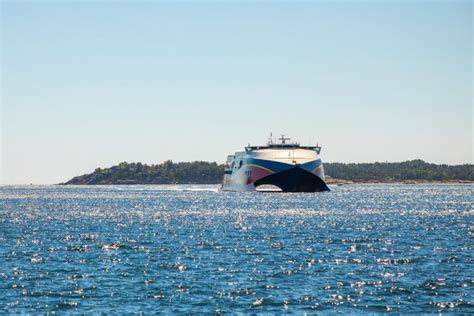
(283, 139)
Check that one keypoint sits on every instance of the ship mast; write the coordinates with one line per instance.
(270, 139)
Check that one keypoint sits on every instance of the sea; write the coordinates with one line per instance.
(360, 249)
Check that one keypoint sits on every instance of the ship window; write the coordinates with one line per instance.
(240, 164)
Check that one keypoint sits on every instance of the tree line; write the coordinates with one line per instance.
(201, 172)
(168, 172)
(399, 171)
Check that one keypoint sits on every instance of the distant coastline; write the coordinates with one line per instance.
(331, 181)
(201, 172)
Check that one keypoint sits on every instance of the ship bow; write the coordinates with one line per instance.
(295, 180)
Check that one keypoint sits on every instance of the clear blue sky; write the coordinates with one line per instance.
(90, 84)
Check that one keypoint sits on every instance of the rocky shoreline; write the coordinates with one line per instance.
(331, 181)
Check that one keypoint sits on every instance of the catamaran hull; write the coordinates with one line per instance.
(306, 177)
(294, 180)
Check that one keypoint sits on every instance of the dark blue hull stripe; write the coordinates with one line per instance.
(276, 166)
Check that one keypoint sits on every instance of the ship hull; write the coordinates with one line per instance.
(252, 172)
(295, 179)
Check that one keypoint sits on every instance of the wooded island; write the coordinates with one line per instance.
(201, 172)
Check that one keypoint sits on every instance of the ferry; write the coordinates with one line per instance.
(288, 166)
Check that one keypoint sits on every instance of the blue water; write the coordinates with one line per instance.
(358, 248)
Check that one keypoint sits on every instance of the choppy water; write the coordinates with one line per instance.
(359, 248)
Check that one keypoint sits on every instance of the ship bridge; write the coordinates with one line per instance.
(282, 145)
